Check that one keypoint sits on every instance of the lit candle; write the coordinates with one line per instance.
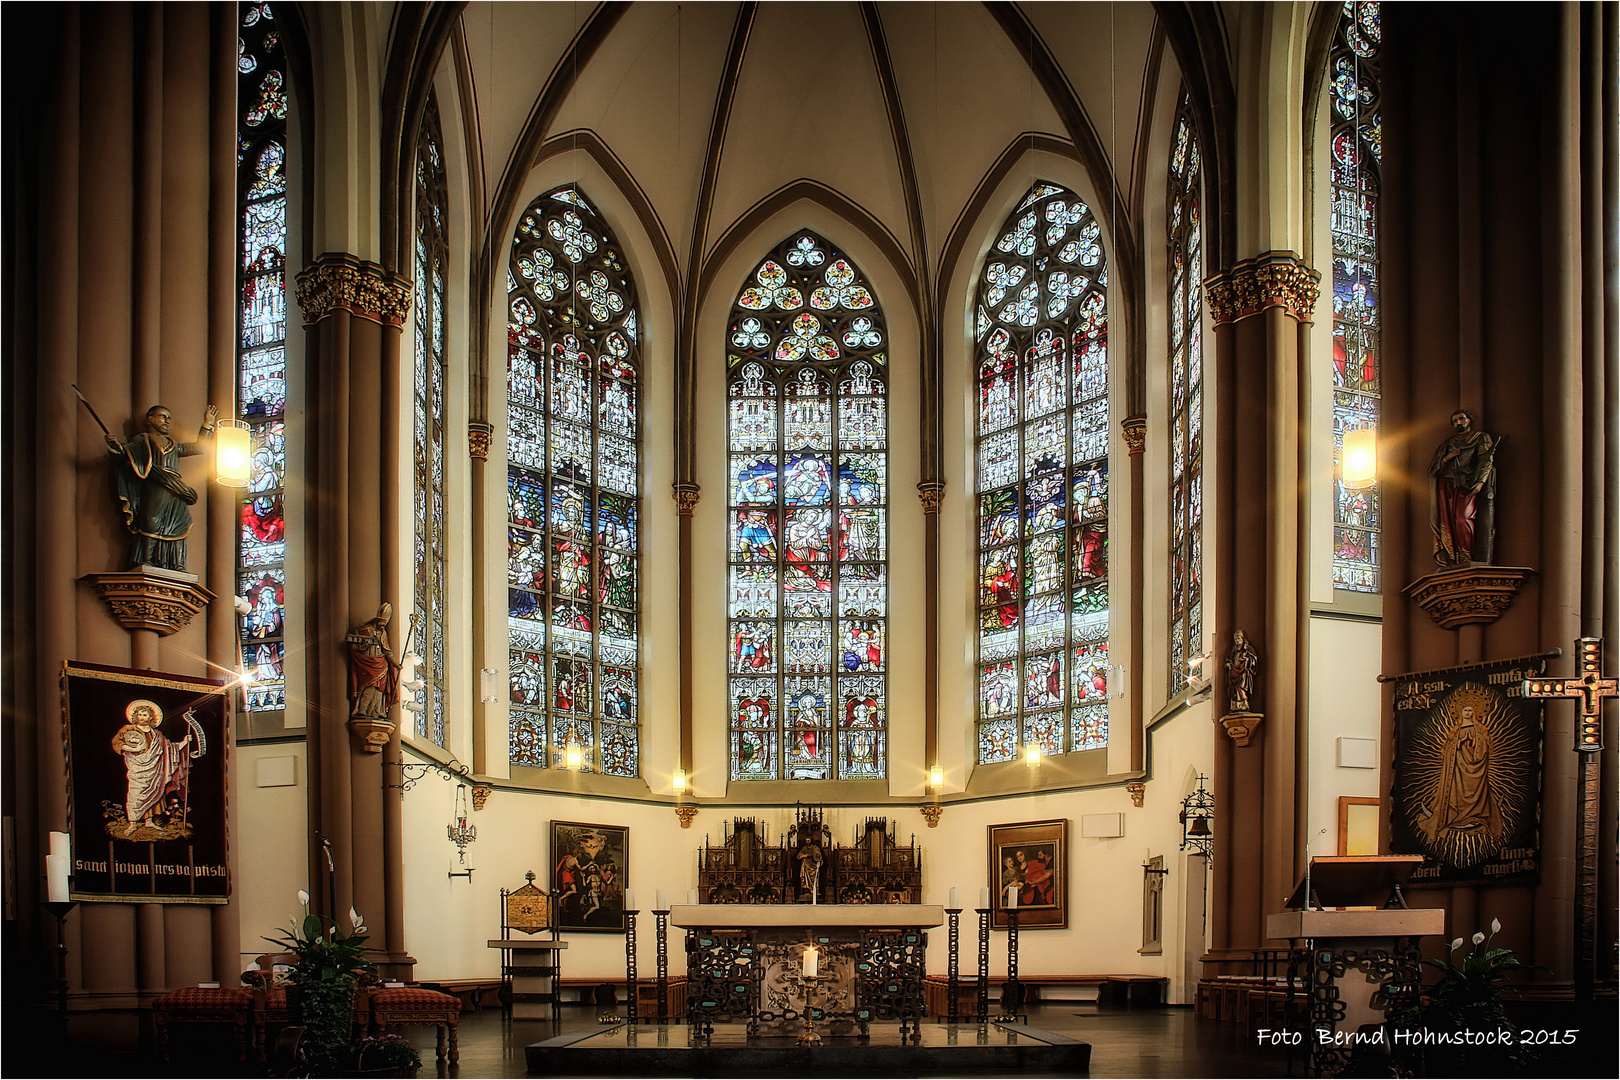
(811, 960)
(1012, 896)
(984, 898)
(952, 904)
(629, 899)
(691, 897)
(56, 878)
(662, 901)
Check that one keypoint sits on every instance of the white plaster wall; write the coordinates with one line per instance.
(270, 829)
(1343, 702)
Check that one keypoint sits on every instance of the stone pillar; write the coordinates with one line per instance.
(353, 311)
(1259, 309)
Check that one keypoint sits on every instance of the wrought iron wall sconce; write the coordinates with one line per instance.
(411, 772)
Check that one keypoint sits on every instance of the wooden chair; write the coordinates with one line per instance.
(269, 988)
(414, 1005)
(203, 1005)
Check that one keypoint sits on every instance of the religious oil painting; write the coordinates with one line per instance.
(147, 756)
(1467, 786)
(589, 869)
(1031, 857)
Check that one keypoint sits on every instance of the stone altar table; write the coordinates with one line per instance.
(743, 964)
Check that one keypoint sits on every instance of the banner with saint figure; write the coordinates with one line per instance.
(147, 755)
(1467, 777)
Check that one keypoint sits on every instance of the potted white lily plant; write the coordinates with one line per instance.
(323, 981)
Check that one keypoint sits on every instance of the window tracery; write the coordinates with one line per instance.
(428, 421)
(1186, 399)
(1041, 337)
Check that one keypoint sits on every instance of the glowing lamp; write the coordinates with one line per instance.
(936, 778)
(1032, 755)
(233, 453)
(574, 757)
(1358, 467)
(680, 781)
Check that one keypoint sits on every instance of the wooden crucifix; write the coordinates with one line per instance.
(1591, 689)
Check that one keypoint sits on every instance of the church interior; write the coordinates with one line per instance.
(1053, 467)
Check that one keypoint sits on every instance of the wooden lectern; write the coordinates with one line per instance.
(1354, 949)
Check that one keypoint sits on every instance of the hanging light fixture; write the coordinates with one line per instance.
(233, 453)
(460, 832)
(574, 757)
(1032, 755)
(1358, 468)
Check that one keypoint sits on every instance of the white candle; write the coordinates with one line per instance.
(811, 960)
(59, 844)
(952, 904)
(691, 897)
(984, 898)
(56, 878)
(629, 899)
(1012, 896)
(662, 902)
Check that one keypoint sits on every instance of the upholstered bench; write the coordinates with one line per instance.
(203, 1005)
(414, 1005)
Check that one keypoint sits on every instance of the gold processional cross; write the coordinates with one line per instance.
(1591, 688)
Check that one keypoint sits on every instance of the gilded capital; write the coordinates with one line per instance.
(341, 282)
(1275, 279)
(686, 498)
(932, 494)
(1134, 428)
(478, 435)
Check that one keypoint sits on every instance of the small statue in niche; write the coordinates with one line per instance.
(809, 857)
(373, 671)
(154, 501)
(1242, 666)
(1462, 495)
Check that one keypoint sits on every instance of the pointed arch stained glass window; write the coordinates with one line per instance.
(1356, 148)
(1041, 339)
(432, 259)
(261, 358)
(807, 600)
(573, 490)
(1186, 399)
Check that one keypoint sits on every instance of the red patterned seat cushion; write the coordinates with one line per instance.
(197, 999)
(413, 997)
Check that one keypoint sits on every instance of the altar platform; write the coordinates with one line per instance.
(941, 1050)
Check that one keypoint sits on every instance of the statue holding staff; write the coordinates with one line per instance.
(154, 501)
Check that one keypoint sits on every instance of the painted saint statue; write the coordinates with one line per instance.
(154, 502)
(1462, 495)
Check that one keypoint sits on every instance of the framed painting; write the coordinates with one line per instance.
(1030, 858)
(590, 866)
(148, 762)
(1358, 825)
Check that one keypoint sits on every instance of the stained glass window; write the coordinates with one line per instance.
(573, 490)
(808, 502)
(432, 258)
(1356, 152)
(1041, 341)
(1186, 400)
(261, 357)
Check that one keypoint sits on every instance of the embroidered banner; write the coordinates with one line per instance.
(147, 755)
(1467, 776)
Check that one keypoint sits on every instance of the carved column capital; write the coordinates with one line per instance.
(478, 436)
(931, 813)
(932, 493)
(1138, 790)
(480, 795)
(1275, 279)
(686, 498)
(151, 598)
(340, 282)
(1134, 428)
(686, 814)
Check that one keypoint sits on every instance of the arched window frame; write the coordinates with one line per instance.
(1354, 160)
(808, 505)
(261, 361)
(429, 633)
(1040, 344)
(573, 489)
(1184, 230)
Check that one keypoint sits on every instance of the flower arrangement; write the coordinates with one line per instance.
(386, 1053)
(1468, 997)
(323, 981)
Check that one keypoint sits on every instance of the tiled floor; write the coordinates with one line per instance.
(1163, 1042)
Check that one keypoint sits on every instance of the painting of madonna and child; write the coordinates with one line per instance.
(1030, 859)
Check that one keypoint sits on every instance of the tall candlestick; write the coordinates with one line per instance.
(630, 900)
(56, 878)
(984, 898)
(812, 960)
(1012, 896)
(953, 897)
(662, 903)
